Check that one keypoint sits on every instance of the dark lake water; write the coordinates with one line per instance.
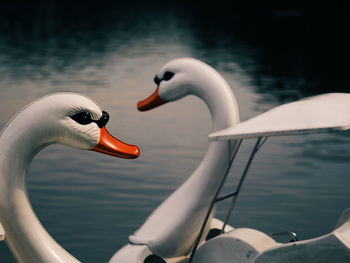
(90, 203)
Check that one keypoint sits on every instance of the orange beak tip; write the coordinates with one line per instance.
(141, 106)
(151, 102)
(136, 153)
(114, 147)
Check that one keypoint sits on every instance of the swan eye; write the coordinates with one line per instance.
(82, 118)
(168, 75)
(103, 120)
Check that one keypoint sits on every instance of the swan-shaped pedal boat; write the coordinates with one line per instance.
(170, 231)
(65, 118)
(323, 113)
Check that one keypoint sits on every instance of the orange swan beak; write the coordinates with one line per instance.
(112, 146)
(151, 102)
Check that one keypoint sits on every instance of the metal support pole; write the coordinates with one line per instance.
(260, 141)
(199, 236)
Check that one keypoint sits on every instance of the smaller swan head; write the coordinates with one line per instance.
(74, 120)
(177, 79)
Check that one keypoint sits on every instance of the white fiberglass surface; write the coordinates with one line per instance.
(90, 203)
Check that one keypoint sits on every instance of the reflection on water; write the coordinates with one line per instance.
(90, 203)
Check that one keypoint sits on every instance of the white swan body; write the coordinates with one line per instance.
(172, 228)
(66, 118)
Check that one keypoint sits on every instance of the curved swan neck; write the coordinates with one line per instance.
(171, 229)
(25, 235)
(219, 98)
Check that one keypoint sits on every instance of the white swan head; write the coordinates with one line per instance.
(179, 78)
(73, 120)
(65, 118)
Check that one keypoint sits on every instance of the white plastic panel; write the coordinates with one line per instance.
(322, 113)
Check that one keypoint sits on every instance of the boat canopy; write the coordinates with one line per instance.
(322, 113)
(317, 114)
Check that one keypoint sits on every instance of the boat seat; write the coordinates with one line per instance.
(333, 247)
(216, 229)
(323, 249)
(240, 245)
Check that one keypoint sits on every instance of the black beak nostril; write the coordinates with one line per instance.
(103, 120)
(157, 80)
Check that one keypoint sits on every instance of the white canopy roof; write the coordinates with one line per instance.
(322, 113)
